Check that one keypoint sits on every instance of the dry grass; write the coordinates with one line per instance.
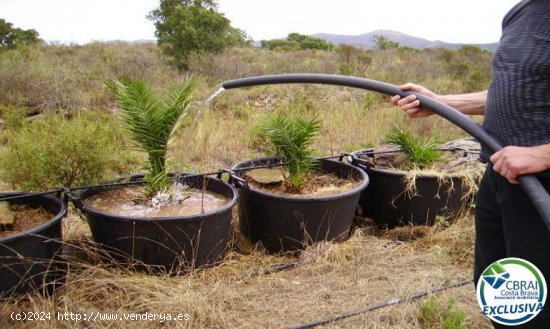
(330, 279)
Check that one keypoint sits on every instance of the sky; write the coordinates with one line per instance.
(82, 21)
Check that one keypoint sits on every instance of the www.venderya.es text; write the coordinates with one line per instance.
(98, 316)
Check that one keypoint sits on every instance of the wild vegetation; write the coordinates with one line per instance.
(53, 94)
(297, 41)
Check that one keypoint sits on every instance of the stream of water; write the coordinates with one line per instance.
(201, 110)
(215, 94)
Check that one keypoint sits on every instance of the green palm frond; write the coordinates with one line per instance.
(420, 153)
(292, 138)
(152, 122)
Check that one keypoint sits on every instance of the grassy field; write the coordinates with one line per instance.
(372, 267)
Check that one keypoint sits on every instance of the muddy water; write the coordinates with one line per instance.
(130, 201)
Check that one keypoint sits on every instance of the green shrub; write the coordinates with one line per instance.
(54, 152)
(434, 314)
(13, 116)
(477, 80)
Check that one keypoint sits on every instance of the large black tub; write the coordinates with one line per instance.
(165, 244)
(289, 223)
(29, 260)
(387, 202)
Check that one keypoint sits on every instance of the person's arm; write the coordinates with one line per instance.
(471, 104)
(513, 161)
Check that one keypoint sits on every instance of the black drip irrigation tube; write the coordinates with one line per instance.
(532, 186)
(379, 306)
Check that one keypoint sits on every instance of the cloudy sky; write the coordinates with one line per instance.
(81, 21)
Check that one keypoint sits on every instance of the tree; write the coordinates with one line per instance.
(185, 28)
(11, 37)
(384, 43)
(296, 41)
(280, 44)
(355, 60)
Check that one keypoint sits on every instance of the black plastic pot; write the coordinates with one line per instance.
(29, 259)
(289, 223)
(165, 244)
(387, 202)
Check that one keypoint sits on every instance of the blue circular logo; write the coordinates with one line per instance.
(511, 291)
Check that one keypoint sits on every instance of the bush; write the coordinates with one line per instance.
(434, 314)
(55, 152)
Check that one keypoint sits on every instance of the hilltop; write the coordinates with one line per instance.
(367, 40)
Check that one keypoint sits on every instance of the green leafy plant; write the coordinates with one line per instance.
(435, 314)
(186, 28)
(152, 122)
(292, 138)
(11, 37)
(53, 152)
(419, 153)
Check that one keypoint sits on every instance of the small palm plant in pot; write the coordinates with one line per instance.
(160, 221)
(414, 181)
(293, 200)
(292, 139)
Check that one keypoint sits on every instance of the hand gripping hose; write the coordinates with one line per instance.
(531, 185)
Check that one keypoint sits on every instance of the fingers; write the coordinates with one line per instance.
(406, 103)
(409, 102)
(502, 165)
(395, 99)
(409, 87)
(413, 113)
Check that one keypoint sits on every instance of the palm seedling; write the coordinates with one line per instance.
(151, 123)
(292, 138)
(419, 153)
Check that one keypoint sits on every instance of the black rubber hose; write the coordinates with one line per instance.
(532, 186)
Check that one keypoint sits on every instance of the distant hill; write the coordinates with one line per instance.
(367, 40)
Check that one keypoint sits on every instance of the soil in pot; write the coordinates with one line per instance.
(30, 239)
(16, 218)
(318, 184)
(131, 201)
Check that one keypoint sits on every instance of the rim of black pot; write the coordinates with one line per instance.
(57, 217)
(225, 208)
(364, 183)
(398, 172)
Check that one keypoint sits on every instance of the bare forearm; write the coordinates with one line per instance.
(470, 104)
(542, 153)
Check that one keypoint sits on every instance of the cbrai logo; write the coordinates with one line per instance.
(511, 291)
